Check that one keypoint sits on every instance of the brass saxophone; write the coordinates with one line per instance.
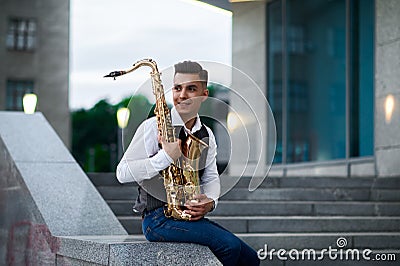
(181, 178)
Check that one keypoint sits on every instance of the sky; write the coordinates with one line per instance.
(112, 35)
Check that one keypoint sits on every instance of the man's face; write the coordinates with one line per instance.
(188, 94)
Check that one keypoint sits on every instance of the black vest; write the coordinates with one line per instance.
(147, 201)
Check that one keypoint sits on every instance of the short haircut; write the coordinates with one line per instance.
(190, 67)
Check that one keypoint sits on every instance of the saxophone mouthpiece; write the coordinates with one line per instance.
(115, 74)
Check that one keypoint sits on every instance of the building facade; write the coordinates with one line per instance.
(34, 52)
(330, 73)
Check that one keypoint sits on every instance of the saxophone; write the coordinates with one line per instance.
(181, 178)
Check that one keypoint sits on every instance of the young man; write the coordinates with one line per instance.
(148, 154)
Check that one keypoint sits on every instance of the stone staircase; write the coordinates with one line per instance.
(294, 213)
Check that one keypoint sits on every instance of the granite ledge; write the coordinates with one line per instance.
(132, 250)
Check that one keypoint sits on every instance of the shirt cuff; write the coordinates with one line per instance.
(161, 160)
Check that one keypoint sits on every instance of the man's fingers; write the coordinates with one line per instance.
(196, 207)
(200, 196)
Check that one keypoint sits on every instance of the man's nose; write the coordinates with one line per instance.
(183, 93)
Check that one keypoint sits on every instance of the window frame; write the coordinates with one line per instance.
(21, 40)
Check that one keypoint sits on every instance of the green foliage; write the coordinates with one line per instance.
(95, 132)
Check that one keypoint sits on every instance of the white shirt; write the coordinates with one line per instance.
(144, 159)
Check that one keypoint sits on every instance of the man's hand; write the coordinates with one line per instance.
(199, 209)
(171, 148)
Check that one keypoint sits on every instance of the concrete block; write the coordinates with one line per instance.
(323, 224)
(85, 250)
(106, 179)
(67, 200)
(161, 254)
(245, 208)
(388, 209)
(237, 225)
(387, 182)
(339, 170)
(362, 170)
(121, 208)
(378, 241)
(131, 250)
(44, 193)
(386, 195)
(120, 192)
(133, 224)
(387, 132)
(326, 182)
(387, 162)
(294, 240)
(344, 209)
(387, 21)
(30, 138)
(294, 194)
(61, 260)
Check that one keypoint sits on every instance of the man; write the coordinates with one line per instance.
(145, 157)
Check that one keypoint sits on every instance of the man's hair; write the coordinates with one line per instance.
(190, 67)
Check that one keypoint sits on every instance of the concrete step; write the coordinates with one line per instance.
(308, 243)
(104, 179)
(129, 192)
(372, 240)
(121, 192)
(321, 182)
(109, 179)
(359, 240)
(382, 245)
(289, 224)
(290, 208)
(307, 208)
(314, 194)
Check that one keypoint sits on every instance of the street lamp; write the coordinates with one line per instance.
(122, 119)
(29, 103)
(389, 108)
(233, 121)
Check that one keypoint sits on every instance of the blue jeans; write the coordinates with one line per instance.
(227, 247)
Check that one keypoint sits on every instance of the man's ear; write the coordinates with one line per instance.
(205, 95)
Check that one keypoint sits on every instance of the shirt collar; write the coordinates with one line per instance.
(177, 121)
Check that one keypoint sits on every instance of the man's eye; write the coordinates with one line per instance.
(192, 88)
(177, 88)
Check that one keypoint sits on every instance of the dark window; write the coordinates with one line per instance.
(362, 78)
(21, 34)
(16, 89)
(320, 78)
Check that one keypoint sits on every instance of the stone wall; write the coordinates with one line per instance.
(387, 86)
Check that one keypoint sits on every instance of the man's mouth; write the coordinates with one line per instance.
(185, 103)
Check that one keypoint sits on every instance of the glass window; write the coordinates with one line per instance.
(21, 34)
(362, 82)
(275, 79)
(316, 45)
(16, 89)
(309, 66)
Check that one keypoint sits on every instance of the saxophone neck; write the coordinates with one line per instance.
(162, 111)
(144, 62)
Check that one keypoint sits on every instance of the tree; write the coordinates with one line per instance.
(94, 132)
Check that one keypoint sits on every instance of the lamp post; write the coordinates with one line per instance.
(29, 103)
(122, 119)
